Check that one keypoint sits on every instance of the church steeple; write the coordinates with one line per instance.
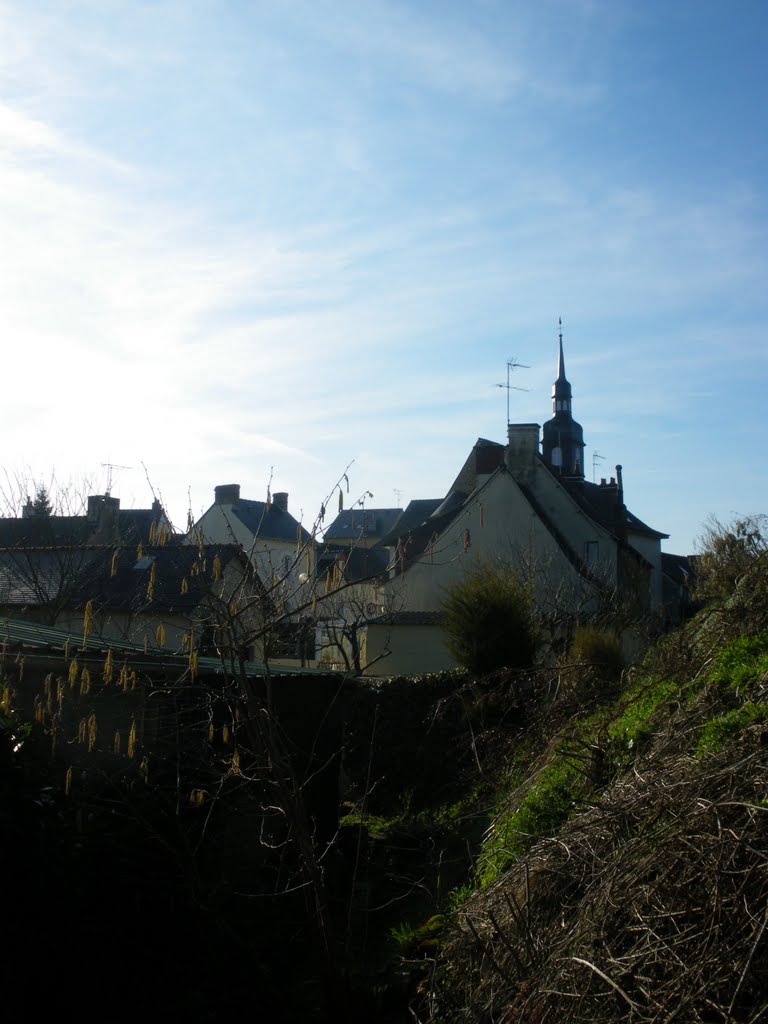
(563, 437)
(561, 389)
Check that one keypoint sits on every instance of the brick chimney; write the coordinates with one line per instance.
(280, 500)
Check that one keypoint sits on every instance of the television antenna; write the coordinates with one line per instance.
(398, 493)
(109, 466)
(512, 365)
(595, 456)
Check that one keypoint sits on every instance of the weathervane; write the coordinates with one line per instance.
(512, 365)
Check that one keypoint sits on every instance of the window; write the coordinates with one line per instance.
(590, 552)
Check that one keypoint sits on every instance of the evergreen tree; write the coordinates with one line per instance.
(41, 506)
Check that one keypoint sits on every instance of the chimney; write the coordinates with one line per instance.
(102, 514)
(227, 494)
(102, 507)
(523, 447)
(280, 500)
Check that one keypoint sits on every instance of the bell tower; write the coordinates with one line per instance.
(562, 437)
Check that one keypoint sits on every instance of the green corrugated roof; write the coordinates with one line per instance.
(39, 639)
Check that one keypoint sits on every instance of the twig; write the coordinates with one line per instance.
(617, 988)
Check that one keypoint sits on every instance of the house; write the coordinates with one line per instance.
(163, 597)
(46, 559)
(282, 554)
(528, 504)
(277, 545)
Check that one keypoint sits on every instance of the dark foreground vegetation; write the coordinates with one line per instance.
(581, 842)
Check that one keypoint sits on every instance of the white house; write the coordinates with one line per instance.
(276, 543)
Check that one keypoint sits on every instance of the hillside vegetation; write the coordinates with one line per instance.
(595, 844)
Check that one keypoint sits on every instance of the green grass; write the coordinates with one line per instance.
(719, 730)
(643, 705)
(413, 939)
(742, 661)
(377, 824)
(545, 806)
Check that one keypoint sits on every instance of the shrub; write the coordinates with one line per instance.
(600, 648)
(489, 621)
(726, 552)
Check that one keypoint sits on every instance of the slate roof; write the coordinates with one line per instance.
(34, 577)
(680, 568)
(371, 523)
(359, 563)
(600, 504)
(71, 577)
(133, 526)
(269, 522)
(44, 531)
(415, 513)
(129, 587)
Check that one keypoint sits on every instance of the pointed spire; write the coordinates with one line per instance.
(561, 357)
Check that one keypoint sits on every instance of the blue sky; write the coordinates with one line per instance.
(243, 240)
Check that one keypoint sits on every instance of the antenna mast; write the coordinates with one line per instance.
(109, 466)
(513, 365)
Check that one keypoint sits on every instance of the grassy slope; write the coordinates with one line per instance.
(627, 876)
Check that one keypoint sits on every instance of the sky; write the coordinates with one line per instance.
(273, 241)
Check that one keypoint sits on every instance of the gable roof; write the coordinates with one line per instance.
(268, 521)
